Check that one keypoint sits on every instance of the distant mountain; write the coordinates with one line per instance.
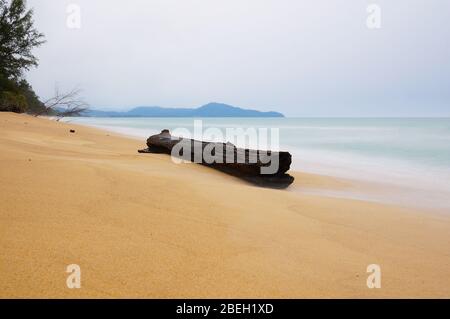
(208, 110)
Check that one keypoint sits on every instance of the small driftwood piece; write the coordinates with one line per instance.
(250, 165)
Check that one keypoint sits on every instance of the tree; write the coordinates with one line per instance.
(34, 105)
(12, 102)
(17, 39)
(65, 104)
(15, 91)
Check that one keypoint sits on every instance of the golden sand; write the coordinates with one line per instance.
(141, 226)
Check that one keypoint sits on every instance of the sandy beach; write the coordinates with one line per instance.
(141, 226)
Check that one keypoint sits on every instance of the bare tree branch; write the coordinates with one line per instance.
(65, 104)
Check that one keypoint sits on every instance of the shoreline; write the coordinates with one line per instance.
(141, 226)
(388, 193)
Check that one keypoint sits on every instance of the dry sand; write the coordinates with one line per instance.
(142, 226)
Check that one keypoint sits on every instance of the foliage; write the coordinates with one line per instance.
(18, 38)
(25, 98)
(13, 102)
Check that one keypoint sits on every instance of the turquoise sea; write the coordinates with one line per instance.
(413, 153)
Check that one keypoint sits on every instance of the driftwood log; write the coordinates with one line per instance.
(250, 165)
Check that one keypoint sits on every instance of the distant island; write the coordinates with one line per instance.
(208, 110)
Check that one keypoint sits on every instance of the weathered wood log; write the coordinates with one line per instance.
(264, 168)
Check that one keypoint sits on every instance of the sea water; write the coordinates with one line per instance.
(412, 153)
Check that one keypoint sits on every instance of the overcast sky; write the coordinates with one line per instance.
(302, 58)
